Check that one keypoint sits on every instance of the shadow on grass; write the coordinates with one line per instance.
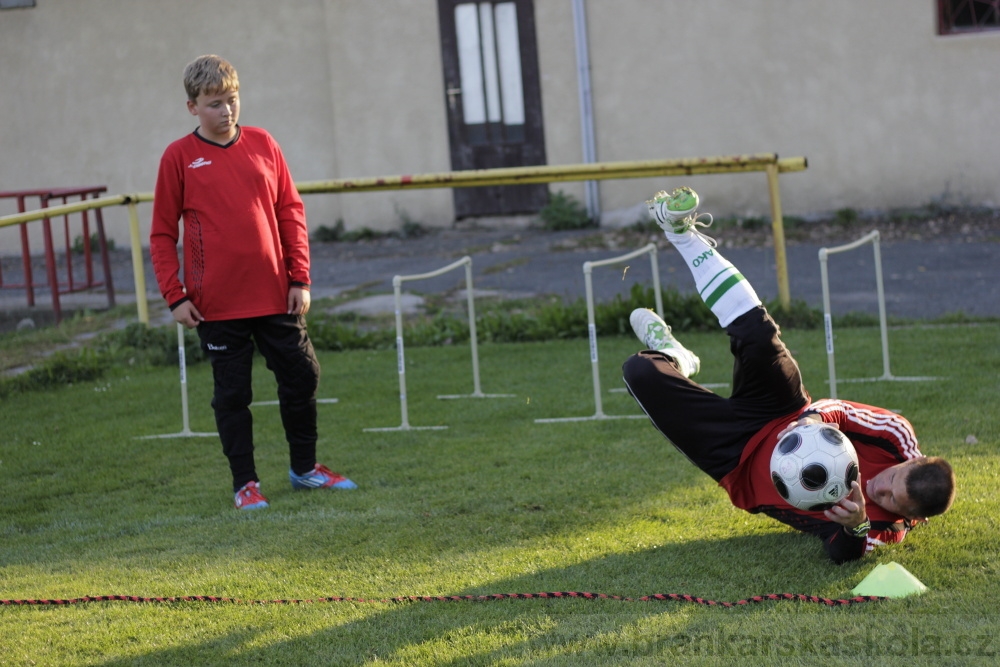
(488, 632)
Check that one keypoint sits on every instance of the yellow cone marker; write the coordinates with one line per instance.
(891, 580)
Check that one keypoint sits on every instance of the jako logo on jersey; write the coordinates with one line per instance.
(217, 348)
(701, 258)
(200, 162)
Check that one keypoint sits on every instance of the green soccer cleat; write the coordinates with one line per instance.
(655, 335)
(677, 212)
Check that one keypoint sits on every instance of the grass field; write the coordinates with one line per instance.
(495, 503)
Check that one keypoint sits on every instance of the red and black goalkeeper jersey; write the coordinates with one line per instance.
(245, 236)
(882, 439)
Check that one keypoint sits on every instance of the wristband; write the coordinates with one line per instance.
(860, 530)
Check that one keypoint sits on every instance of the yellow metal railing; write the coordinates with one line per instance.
(554, 173)
(769, 163)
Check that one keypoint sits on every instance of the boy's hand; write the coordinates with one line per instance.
(298, 301)
(850, 511)
(187, 314)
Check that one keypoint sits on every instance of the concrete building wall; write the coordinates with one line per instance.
(92, 94)
(887, 112)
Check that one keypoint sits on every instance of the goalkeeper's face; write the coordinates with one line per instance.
(888, 490)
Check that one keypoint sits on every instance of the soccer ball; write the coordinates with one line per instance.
(812, 467)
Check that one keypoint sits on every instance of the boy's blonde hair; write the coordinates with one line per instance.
(211, 75)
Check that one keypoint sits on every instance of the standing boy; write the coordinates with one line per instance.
(731, 439)
(246, 273)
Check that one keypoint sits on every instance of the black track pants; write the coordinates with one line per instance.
(285, 346)
(709, 429)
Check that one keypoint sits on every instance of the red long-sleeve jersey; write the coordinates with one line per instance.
(245, 236)
(881, 438)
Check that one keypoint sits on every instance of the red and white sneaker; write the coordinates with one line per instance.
(250, 498)
(320, 477)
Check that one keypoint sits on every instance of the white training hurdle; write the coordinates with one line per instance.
(588, 268)
(824, 253)
(477, 392)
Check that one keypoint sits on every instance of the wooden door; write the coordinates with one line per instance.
(494, 101)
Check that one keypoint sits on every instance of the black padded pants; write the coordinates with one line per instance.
(709, 429)
(285, 346)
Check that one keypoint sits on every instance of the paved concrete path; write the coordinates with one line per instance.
(923, 278)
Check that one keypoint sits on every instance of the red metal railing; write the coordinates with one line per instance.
(73, 282)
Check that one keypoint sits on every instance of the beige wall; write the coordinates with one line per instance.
(888, 113)
(92, 94)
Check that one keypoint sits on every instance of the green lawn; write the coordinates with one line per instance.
(495, 503)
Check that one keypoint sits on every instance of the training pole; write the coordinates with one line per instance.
(185, 431)
(588, 268)
(470, 302)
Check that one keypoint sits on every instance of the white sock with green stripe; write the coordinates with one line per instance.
(721, 285)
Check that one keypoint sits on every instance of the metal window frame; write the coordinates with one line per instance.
(961, 17)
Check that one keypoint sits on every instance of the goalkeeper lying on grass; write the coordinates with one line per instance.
(732, 439)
